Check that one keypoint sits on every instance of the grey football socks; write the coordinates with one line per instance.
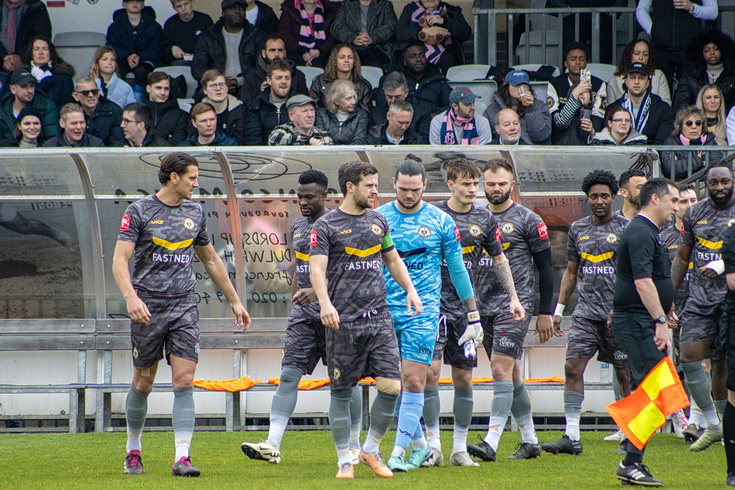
(381, 415)
(283, 404)
(339, 422)
(521, 410)
(699, 387)
(183, 416)
(502, 401)
(136, 409)
(573, 410)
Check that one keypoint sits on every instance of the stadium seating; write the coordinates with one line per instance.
(603, 71)
(372, 74)
(176, 71)
(530, 67)
(310, 73)
(466, 73)
(77, 48)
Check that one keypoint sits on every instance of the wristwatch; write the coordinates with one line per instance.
(661, 319)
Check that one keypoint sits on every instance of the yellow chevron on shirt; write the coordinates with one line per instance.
(363, 253)
(506, 246)
(708, 244)
(172, 245)
(300, 256)
(468, 250)
(596, 258)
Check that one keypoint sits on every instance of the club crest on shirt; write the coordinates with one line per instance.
(377, 230)
(475, 230)
(424, 232)
(730, 222)
(507, 228)
(611, 238)
(336, 374)
(188, 223)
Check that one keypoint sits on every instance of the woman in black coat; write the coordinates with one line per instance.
(345, 122)
(54, 75)
(711, 58)
(689, 130)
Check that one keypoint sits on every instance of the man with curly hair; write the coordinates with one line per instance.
(592, 259)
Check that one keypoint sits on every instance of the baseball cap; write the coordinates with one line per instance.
(21, 77)
(298, 101)
(517, 77)
(637, 67)
(231, 3)
(462, 94)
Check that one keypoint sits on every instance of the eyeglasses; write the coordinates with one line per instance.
(697, 123)
(621, 121)
(128, 121)
(217, 85)
(87, 93)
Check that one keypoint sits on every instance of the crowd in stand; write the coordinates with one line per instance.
(252, 92)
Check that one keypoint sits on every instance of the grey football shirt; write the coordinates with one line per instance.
(522, 233)
(478, 232)
(594, 246)
(704, 232)
(164, 237)
(354, 245)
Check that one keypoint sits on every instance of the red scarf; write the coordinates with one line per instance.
(9, 32)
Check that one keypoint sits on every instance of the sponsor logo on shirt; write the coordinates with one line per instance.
(125, 223)
(312, 239)
(456, 233)
(345, 232)
(188, 223)
(156, 222)
(498, 236)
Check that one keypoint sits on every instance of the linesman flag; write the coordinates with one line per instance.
(644, 411)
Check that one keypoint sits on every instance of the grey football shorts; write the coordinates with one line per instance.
(173, 328)
(450, 330)
(363, 347)
(305, 342)
(589, 336)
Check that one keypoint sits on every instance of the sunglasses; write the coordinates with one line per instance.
(697, 123)
(87, 93)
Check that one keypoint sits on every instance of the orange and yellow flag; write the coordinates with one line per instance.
(644, 411)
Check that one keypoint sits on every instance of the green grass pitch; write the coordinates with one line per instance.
(91, 461)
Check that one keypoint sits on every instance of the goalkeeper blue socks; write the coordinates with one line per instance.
(409, 415)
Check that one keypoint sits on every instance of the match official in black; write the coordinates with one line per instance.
(644, 295)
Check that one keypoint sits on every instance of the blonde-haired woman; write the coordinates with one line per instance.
(710, 101)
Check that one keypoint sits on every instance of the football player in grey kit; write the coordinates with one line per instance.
(164, 231)
(304, 344)
(478, 233)
(525, 239)
(348, 249)
(705, 224)
(591, 255)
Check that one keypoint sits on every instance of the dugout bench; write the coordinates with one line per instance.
(106, 336)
